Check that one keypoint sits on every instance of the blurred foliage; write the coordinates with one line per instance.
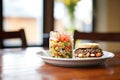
(70, 5)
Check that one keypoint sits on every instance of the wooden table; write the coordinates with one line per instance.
(24, 64)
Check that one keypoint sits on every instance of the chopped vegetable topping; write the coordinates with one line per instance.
(60, 45)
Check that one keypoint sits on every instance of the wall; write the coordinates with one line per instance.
(108, 20)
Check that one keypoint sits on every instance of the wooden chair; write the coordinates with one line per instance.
(14, 34)
(94, 36)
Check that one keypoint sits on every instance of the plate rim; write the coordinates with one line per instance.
(111, 55)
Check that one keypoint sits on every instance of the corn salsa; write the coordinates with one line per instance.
(60, 45)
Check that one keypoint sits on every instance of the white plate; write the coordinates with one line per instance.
(72, 62)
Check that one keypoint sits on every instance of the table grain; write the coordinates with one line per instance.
(25, 64)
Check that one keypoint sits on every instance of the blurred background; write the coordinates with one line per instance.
(39, 17)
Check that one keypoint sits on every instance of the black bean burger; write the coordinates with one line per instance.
(85, 50)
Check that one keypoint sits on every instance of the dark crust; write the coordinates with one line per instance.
(88, 52)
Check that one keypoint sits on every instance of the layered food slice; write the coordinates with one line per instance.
(84, 50)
